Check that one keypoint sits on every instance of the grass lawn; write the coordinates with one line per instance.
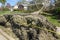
(9, 12)
(13, 12)
(4, 12)
(52, 18)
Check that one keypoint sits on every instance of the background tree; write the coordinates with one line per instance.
(57, 3)
(3, 2)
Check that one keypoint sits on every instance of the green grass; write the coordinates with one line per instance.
(4, 12)
(52, 19)
(9, 12)
(13, 12)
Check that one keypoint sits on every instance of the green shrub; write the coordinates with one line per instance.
(5, 9)
(56, 11)
(16, 9)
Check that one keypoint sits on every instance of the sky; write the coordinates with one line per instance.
(13, 2)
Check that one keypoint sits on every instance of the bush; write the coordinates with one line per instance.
(56, 11)
(16, 9)
(5, 9)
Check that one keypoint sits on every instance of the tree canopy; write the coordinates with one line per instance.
(3, 1)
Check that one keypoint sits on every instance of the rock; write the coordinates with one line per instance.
(32, 27)
(58, 30)
(7, 16)
(19, 20)
(8, 25)
(2, 20)
(44, 35)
